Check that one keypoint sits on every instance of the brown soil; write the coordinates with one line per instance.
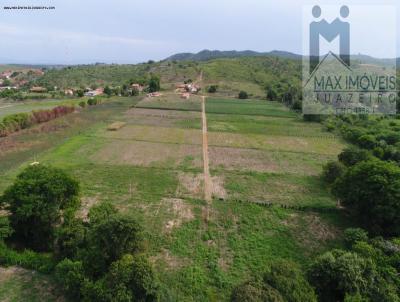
(182, 212)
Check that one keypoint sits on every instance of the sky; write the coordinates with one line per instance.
(133, 31)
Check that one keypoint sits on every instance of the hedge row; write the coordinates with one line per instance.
(19, 121)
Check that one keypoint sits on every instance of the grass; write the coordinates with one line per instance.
(286, 162)
(292, 126)
(7, 108)
(247, 107)
(195, 260)
(282, 189)
(315, 145)
(17, 150)
(19, 285)
(171, 102)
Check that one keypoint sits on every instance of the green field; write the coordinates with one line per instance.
(247, 107)
(152, 168)
(7, 108)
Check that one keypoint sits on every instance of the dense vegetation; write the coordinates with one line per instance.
(366, 271)
(366, 176)
(279, 78)
(97, 259)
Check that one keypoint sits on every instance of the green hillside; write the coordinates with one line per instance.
(252, 74)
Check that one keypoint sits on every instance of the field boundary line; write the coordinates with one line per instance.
(171, 109)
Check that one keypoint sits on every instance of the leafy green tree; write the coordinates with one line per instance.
(338, 273)
(353, 235)
(351, 156)
(255, 291)
(108, 91)
(80, 93)
(96, 291)
(154, 83)
(372, 190)
(332, 171)
(101, 212)
(37, 201)
(272, 95)
(243, 95)
(297, 105)
(109, 240)
(367, 141)
(70, 238)
(132, 278)
(5, 228)
(212, 89)
(287, 278)
(70, 276)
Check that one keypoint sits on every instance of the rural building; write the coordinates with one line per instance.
(185, 96)
(69, 92)
(138, 87)
(154, 94)
(6, 74)
(96, 92)
(192, 88)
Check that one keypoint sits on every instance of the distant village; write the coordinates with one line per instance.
(16, 81)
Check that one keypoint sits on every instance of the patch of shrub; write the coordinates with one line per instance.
(332, 171)
(212, 89)
(37, 201)
(92, 101)
(283, 281)
(108, 240)
(70, 276)
(351, 156)
(353, 235)
(371, 189)
(243, 95)
(133, 278)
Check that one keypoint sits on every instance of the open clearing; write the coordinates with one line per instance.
(152, 167)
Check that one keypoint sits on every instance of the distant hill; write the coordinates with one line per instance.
(251, 74)
(206, 55)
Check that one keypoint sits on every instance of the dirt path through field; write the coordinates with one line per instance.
(207, 177)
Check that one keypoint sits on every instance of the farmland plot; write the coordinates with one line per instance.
(151, 167)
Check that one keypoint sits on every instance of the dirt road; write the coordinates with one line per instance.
(207, 177)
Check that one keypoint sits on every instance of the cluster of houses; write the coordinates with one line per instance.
(6, 74)
(186, 89)
(94, 92)
(99, 91)
(9, 79)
